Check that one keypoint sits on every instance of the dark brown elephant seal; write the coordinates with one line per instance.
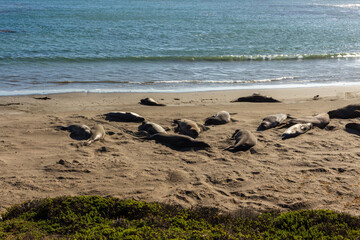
(272, 121)
(151, 128)
(296, 130)
(150, 102)
(321, 120)
(178, 141)
(221, 117)
(189, 127)
(78, 132)
(244, 140)
(353, 126)
(350, 111)
(97, 133)
(124, 117)
(256, 97)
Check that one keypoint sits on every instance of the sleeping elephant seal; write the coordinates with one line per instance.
(78, 132)
(178, 141)
(124, 117)
(221, 117)
(321, 120)
(354, 126)
(151, 128)
(272, 121)
(97, 133)
(296, 130)
(189, 127)
(256, 97)
(150, 102)
(244, 140)
(350, 111)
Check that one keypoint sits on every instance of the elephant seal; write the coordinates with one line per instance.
(321, 120)
(124, 117)
(256, 97)
(78, 132)
(221, 117)
(354, 126)
(178, 141)
(272, 121)
(244, 140)
(150, 102)
(350, 111)
(97, 133)
(189, 127)
(151, 128)
(296, 130)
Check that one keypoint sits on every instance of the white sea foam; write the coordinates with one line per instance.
(349, 5)
(218, 81)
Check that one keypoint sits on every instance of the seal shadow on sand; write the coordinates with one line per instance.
(78, 137)
(185, 149)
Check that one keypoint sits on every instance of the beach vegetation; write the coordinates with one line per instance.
(95, 217)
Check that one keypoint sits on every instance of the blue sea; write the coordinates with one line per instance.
(54, 46)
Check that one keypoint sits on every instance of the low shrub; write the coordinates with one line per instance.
(94, 217)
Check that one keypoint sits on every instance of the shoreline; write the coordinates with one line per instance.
(315, 170)
(348, 85)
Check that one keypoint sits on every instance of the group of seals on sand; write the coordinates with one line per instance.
(320, 120)
(347, 112)
(189, 130)
(297, 126)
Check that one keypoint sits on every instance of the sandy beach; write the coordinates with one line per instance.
(316, 170)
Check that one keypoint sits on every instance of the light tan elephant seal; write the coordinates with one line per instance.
(151, 128)
(244, 140)
(296, 130)
(189, 127)
(221, 117)
(97, 133)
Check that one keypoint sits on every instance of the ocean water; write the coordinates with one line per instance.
(176, 45)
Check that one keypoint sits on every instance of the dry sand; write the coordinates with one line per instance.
(319, 169)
